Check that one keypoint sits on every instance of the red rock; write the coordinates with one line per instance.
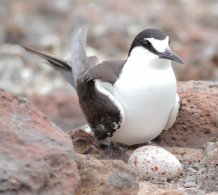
(197, 123)
(35, 156)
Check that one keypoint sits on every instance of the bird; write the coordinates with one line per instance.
(129, 101)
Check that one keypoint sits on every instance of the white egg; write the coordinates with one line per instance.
(153, 162)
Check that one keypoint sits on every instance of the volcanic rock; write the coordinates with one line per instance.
(36, 157)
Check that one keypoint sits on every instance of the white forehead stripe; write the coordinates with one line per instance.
(159, 45)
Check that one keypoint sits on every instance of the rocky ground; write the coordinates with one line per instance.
(38, 157)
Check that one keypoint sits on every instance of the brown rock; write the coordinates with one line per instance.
(106, 177)
(198, 118)
(35, 156)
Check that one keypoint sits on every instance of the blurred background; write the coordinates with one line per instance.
(48, 25)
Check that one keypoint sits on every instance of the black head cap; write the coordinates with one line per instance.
(148, 33)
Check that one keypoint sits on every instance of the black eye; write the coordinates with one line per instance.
(146, 43)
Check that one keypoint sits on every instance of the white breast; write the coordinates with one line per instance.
(146, 89)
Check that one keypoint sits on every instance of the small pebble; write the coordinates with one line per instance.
(181, 180)
(190, 178)
(190, 184)
(192, 170)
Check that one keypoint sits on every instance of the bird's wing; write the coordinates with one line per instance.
(107, 71)
(79, 60)
(78, 63)
(103, 111)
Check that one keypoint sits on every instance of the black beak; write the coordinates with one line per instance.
(171, 56)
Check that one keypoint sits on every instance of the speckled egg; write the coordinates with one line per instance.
(153, 161)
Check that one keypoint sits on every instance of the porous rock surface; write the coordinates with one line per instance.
(35, 156)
